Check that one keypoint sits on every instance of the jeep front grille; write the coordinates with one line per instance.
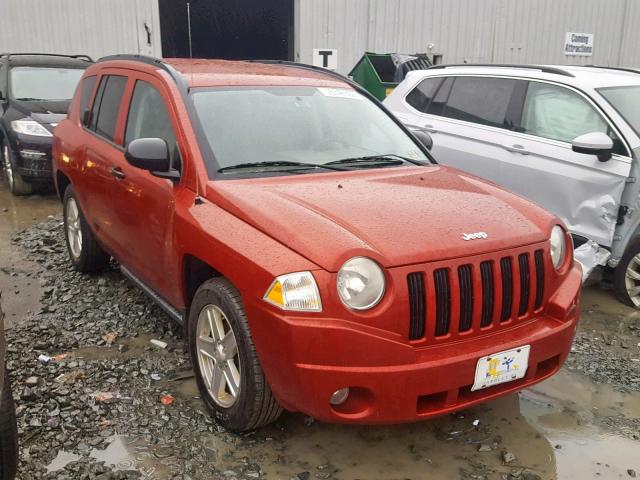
(474, 296)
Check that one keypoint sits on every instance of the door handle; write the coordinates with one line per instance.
(117, 173)
(516, 149)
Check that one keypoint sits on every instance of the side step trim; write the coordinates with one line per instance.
(175, 314)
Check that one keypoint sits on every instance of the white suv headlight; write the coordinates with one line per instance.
(361, 283)
(295, 291)
(30, 127)
(558, 246)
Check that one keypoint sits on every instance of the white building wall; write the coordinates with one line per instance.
(95, 28)
(492, 31)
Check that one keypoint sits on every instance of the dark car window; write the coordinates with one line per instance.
(3, 81)
(481, 100)
(105, 113)
(148, 116)
(420, 97)
(88, 84)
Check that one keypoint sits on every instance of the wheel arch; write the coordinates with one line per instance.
(194, 273)
(62, 182)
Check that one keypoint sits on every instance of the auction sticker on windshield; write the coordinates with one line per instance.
(340, 93)
(501, 367)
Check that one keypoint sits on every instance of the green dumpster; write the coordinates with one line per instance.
(380, 73)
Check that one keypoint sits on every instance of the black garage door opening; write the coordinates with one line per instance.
(229, 29)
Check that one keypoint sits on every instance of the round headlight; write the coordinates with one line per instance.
(558, 246)
(361, 283)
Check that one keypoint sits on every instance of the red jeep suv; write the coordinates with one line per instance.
(318, 257)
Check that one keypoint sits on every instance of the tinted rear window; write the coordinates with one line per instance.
(480, 100)
(107, 113)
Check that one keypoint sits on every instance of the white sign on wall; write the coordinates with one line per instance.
(578, 44)
(325, 58)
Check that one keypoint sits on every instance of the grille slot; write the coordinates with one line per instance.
(539, 259)
(486, 274)
(443, 301)
(466, 297)
(506, 272)
(525, 283)
(417, 305)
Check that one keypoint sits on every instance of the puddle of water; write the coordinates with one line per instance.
(134, 347)
(62, 460)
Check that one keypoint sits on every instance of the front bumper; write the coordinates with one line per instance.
(307, 359)
(32, 157)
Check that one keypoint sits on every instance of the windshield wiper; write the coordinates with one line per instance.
(382, 159)
(277, 163)
(30, 99)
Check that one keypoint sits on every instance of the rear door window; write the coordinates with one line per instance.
(481, 100)
(107, 104)
(558, 113)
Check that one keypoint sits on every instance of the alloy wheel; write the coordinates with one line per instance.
(632, 280)
(8, 169)
(218, 358)
(74, 232)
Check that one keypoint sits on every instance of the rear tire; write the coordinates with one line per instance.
(17, 185)
(85, 253)
(626, 276)
(8, 433)
(218, 304)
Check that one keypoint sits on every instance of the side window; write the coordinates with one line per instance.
(481, 100)
(3, 82)
(88, 85)
(105, 113)
(149, 118)
(422, 94)
(558, 113)
(441, 97)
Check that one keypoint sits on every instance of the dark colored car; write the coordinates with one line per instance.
(35, 92)
(8, 429)
(318, 257)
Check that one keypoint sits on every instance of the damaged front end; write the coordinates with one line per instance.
(590, 255)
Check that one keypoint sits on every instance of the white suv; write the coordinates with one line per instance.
(567, 137)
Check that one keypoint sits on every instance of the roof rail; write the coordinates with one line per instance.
(156, 62)
(542, 68)
(620, 69)
(79, 57)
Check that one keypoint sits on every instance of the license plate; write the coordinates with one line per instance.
(501, 367)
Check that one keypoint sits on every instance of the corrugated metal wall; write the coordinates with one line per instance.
(494, 31)
(95, 28)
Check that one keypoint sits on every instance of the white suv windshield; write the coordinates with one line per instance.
(36, 83)
(626, 100)
(297, 124)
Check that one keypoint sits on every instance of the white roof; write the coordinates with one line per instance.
(578, 76)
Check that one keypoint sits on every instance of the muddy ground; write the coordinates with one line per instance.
(582, 423)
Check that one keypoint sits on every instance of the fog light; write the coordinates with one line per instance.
(339, 396)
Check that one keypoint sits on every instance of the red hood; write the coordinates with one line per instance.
(397, 216)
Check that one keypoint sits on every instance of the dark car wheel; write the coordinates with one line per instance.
(228, 372)
(85, 252)
(17, 185)
(8, 434)
(626, 276)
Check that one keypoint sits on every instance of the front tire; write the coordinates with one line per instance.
(8, 433)
(86, 254)
(17, 185)
(228, 372)
(626, 276)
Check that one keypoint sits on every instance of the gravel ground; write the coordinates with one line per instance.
(112, 381)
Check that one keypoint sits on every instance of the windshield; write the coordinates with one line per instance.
(297, 128)
(36, 83)
(626, 100)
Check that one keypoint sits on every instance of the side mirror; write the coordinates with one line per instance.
(594, 143)
(424, 138)
(151, 154)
